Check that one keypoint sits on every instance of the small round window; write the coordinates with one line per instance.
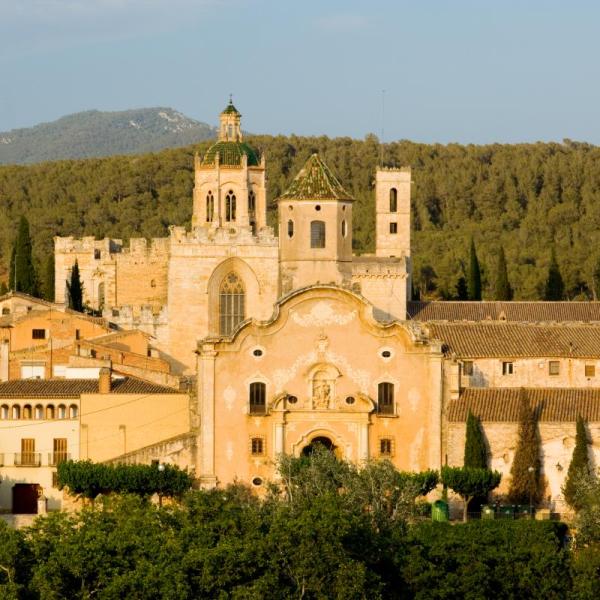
(292, 399)
(386, 354)
(318, 207)
(257, 481)
(257, 352)
(350, 400)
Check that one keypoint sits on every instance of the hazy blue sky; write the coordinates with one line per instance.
(466, 71)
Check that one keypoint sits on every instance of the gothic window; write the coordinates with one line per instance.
(290, 228)
(230, 206)
(258, 398)
(385, 398)
(231, 304)
(317, 234)
(393, 200)
(251, 203)
(210, 207)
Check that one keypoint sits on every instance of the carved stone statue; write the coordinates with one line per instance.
(321, 394)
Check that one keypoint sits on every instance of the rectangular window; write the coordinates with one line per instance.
(507, 368)
(553, 367)
(257, 446)
(97, 254)
(590, 370)
(385, 398)
(38, 334)
(28, 456)
(258, 396)
(54, 479)
(386, 447)
(393, 227)
(468, 367)
(77, 334)
(317, 234)
(59, 453)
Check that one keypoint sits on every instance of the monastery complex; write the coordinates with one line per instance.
(229, 343)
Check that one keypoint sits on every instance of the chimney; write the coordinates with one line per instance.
(104, 381)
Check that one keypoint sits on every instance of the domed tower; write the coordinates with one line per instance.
(229, 184)
(315, 229)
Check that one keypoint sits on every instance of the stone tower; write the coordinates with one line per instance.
(392, 212)
(315, 229)
(230, 184)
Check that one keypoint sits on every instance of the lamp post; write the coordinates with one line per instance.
(531, 471)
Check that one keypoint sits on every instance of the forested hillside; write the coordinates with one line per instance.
(96, 133)
(528, 198)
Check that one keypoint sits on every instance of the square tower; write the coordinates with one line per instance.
(392, 210)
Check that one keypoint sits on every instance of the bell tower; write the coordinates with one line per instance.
(230, 189)
(315, 228)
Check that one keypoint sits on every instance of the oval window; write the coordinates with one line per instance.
(350, 400)
(292, 399)
(386, 354)
(257, 352)
(257, 481)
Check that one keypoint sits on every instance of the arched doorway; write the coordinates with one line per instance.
(318, 442)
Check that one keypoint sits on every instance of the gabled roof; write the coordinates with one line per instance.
(315, 181)
(517, 340)
(587, 312)
(551, 404)
(32, 389)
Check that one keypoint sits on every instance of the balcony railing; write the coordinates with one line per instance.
(55, 458)
(28, 459)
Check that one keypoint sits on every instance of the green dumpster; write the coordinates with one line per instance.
(440, 511)
(487, 512)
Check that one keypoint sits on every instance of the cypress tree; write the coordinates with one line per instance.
(580, 465)
(474, 280)
(462, 293)
(597, 280)
(503, 290)
(475, 450)
(75, 289)
(555, 287)
(49, 278)
(526, 485)
(22, 272)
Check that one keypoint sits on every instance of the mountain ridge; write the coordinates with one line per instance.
(95, 134)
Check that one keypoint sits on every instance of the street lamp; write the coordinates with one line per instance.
(531, 471)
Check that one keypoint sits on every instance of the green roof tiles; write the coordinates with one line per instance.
(230, 109)
(315, 181)
(230, 154)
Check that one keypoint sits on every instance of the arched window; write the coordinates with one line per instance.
(258, 398)
(344, 228)
(230, 206)
(210, 207)
(251, 203)
(16, 411)
(73, 411)
(290, 228)
(27, 411)
(393, 200)
(317, 234)
(38, 412)
(4, 411)
(101, 296)
(62, 411)
(385, 398)
(50, 411)
(231, 304)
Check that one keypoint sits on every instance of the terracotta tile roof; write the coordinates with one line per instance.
(74, 388)
(504, 311)
(315, 181)
(514, 340)
(502, 404)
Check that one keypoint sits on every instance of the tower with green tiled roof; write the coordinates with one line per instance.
(315, 228)
(230, 183)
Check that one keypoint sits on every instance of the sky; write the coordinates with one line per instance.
(476, 71)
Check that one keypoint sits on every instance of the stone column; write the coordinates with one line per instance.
(206, 410)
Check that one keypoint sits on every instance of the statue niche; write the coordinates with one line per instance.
(323, 387)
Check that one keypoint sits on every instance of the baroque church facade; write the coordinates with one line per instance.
(294, 340)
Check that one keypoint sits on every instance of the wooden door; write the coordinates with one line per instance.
(24, 498)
